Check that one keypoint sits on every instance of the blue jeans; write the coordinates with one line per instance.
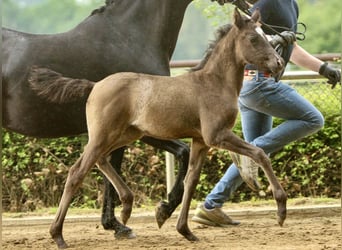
(259, 101)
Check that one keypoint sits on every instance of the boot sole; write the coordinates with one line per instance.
(208, 222)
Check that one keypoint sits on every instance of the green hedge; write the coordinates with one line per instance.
(34, 171)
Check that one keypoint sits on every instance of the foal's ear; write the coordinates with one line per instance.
(256, 16)
(238, 20)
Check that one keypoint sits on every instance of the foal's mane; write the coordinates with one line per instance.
(102, 8)
(219, 34)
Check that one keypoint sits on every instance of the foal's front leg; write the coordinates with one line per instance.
(198, 153)
(226, 139)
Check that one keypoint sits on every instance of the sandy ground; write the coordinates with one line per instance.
(305, 228)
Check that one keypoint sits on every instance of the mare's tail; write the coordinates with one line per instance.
(55, 88)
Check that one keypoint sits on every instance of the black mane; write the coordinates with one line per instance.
(102, 8)
(219, 34)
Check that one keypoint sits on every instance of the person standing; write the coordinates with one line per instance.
(263, 97)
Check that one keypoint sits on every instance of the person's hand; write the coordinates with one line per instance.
(284, 39)
(333, 75)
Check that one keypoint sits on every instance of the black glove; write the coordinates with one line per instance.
(333, 75)
(284, 39)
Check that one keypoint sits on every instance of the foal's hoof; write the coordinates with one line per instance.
(125, 215)
(282, 211)
(184, 230)
(162, 213)
(126, 233)
(191, 237)
(281, 218)
(60, 242)
(281, 221)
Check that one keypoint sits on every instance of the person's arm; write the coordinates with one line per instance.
(304, 59)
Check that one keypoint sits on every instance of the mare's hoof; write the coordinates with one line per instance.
(162, 213)
(125, 234)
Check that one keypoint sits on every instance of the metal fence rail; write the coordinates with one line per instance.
(192, 63)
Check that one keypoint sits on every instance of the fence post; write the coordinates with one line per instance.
(170, 171)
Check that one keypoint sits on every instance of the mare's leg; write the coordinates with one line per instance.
(76, 175)
(198, 153)
(226, 139)
(181, 151)
(111, 198)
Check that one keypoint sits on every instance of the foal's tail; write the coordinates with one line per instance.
(55, 88)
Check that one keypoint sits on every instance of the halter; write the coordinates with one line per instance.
(244, 7)
(259, 30)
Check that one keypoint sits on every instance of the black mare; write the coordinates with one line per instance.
(123, 35)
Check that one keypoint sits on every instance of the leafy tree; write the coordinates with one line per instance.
(323, 21)
(194, 35)
(49, 16)
(322, 18)
(46, 16)
(202, 17)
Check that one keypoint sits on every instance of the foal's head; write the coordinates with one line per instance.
(252, 45)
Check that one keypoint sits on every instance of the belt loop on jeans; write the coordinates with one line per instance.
(256, 73)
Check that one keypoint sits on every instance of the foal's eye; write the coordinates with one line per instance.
(254, 39)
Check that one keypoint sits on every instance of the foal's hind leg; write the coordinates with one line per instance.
(111, 198)
(181, 152)
(76, 175)
(123, 190)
